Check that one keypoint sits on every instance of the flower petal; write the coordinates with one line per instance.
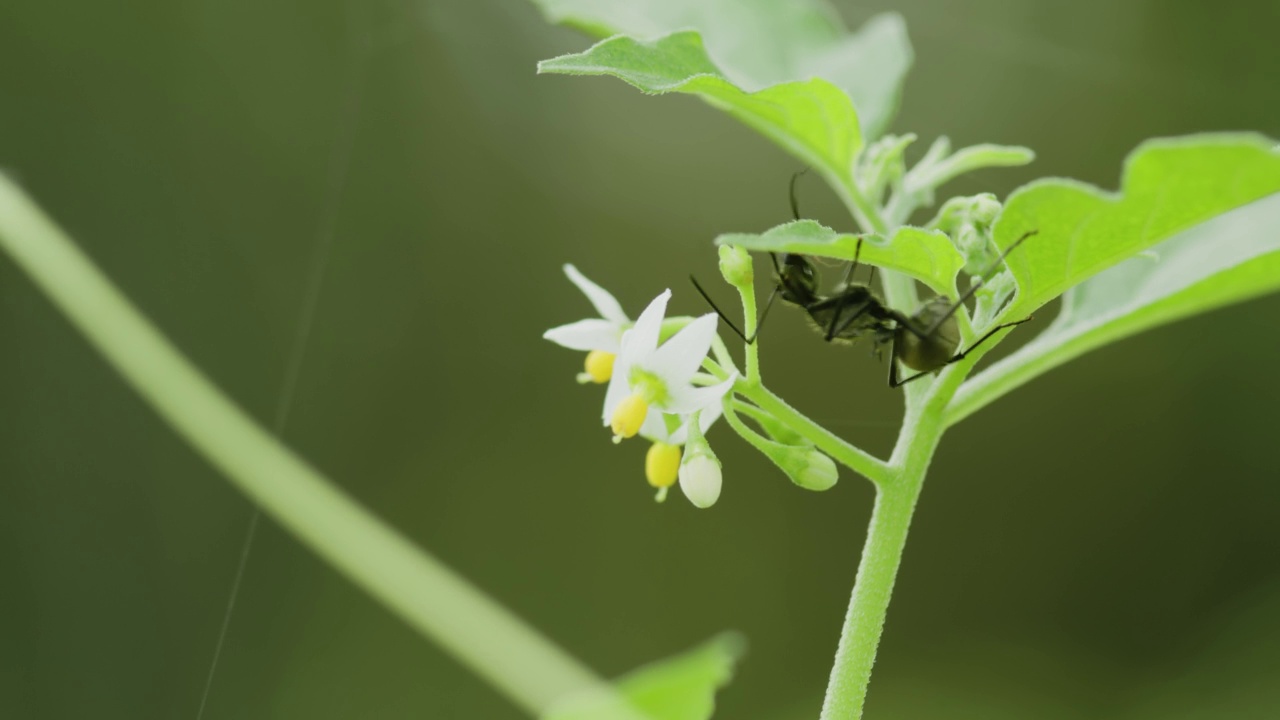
(706, 419)
(684, 399)
(592, 334)
(637, 344)
(604, 303)
(655, 429)
(619, 386)
(681, 356)
(641, 340)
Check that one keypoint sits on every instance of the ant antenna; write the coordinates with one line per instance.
(777, 268)
(795, 206)
(982, 278)
(748, 339)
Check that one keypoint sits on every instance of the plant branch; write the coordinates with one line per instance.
(843, 452)
(516, 659)
(922, 429)
(747, 292)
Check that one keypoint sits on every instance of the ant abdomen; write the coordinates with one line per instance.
(925, 351)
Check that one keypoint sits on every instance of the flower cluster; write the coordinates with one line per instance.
(655, 388)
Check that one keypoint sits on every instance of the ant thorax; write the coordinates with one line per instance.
(853, 312)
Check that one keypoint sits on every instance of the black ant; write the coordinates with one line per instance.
(926, 341)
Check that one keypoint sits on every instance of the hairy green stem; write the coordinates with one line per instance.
(843, 452)
(882, 553)
(864, 620)
(752, 350)
(517, 660)
(896, 497)
(723, 358)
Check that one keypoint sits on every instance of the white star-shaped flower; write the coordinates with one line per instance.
(650, 381)
(602, 333)
(601, 337)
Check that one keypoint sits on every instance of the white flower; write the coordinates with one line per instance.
(650, 383)
(601, 337)
(602, 333)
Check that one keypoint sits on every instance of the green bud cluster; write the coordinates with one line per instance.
(969, 221)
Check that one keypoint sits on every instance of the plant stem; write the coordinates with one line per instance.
(864, 620)
(853, 457)
(922, 429)
(516, 659)
(749, 325)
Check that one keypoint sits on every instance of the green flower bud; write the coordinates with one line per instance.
(819, 472)
(804, 464)
(984, 210)
(736, 266)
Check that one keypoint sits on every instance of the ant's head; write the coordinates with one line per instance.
(797, 278)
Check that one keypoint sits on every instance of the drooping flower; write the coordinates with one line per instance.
(601, 337)
(652, 391)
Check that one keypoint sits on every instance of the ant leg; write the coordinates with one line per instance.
(894, 382)
(795, 206)
(893, 376)
(747, 339)
(977, 285)
(849, 321)
(848, 276)
(763, 314)
(987, 336)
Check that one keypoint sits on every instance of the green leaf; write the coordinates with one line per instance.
(812, 119)
(1229, 259)
(1169, 185)
(678, 688)
(759, 43)
(927, 176)
(926, 255)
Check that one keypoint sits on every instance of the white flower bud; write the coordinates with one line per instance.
(700, 480)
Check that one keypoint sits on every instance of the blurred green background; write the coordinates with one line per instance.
(1102, 544)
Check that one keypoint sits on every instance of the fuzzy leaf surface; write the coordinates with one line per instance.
(1228, 259)
(975, 157)
(760, 43)
(926, 255)
(1169, 185)
(812, 119)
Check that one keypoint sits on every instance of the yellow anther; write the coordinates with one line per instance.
(599, 365)
(662, 465)
(629, 416)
